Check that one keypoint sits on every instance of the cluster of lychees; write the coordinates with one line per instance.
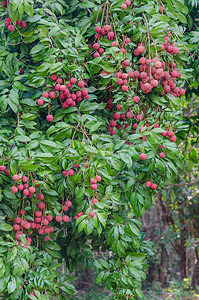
(41, 220)
(40, 223)
(125, 4)
(11, 27)
(122, 117)
(63, 92)
(93, 186)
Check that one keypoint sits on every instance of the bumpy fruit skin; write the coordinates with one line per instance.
(32, 189)
(86, 164)
(26, 192)
(45, 94)
(24, 178)
(182, 92)
(161, 9)
(23, 24)
(40, 196)
(68, 203)
(52, 95)
(11, 28)
(40, 102)
(154, 186)
(93, 186)
(92, 214)
(6, 24)
(128, 2)
(38, 214)
(64, 173)
(50, 218)
(98, 178)
(41, 205)
(141, 49)
(66, 218)
(173, 138)
(136, 99)
(93, 181)
(49, 118)
(54, 77)
(45, 222)
(124, 7)
(46, 238)
(2, 168)
(73, 80)
(71, 172)
(148, 183)
(58, 218)
(143, 156)
(81, 84)
(139, 117)
(20, 187)
(98, 29)
(162, 155)
(14, 189)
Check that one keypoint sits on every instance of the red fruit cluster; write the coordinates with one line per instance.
(170, 135)
(151, 185)
(27, 191)
(125, 5)
(94, 181)
(139, 50)
(69, 172)
(168, 46)
(65, 207)
(153, 73)
(63, 92)
(40, 223)
(102, 32)
(11, 27)
(78, 215)
(120, 118)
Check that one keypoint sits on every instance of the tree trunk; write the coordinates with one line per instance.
(163, 267)
(195, 279)
(179, 246)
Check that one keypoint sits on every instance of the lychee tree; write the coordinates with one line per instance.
(89, 102)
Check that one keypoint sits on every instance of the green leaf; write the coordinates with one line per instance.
(120, 248)
(19, 86)
(6, 227)
(87, 4)
(11, 254)
(161, 17)
(99, 277)
(126, 158)
(11, 286)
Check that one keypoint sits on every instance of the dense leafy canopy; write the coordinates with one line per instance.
(89, 98)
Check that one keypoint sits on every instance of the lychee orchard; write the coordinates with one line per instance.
(89, 108)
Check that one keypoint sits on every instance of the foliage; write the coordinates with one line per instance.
(75, 152)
